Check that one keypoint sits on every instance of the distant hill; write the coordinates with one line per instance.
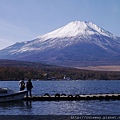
(15, 70)
(16, 63)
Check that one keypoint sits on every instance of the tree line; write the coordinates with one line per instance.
(56, 73)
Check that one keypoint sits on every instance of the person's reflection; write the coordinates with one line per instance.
(29, 104)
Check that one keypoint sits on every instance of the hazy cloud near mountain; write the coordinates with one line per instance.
(5, 43)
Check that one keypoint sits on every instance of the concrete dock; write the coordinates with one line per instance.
(58, 97)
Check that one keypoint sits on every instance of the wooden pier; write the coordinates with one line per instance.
(58, 97)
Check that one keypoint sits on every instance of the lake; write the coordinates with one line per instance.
(83, 107)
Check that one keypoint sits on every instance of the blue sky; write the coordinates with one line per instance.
(23, 20)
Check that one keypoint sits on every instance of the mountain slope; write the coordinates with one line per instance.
(75, 44)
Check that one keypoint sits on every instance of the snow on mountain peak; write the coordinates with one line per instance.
(75, 43)
(69, 30)
(73, 32)
(76, 28)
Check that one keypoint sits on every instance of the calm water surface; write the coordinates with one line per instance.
(89, 107)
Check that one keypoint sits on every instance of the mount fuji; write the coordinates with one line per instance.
(78, 43)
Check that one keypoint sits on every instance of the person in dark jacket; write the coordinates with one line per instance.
(29, 87)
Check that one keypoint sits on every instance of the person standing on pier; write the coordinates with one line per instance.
(22, 85)
(29, 87)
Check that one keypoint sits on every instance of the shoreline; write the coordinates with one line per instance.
(114, 68)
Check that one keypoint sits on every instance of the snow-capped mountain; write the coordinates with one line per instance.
(75, 44)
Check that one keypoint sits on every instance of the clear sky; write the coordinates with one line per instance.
(23, 20)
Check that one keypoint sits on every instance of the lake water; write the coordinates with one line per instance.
(83, 107)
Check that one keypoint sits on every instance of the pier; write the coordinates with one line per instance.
(63, 97)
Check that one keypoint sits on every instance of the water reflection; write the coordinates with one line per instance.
(16, 104)
(29, 104)
(12, 104)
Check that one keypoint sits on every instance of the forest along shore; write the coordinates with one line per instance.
(16, 70)
(55, 73)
